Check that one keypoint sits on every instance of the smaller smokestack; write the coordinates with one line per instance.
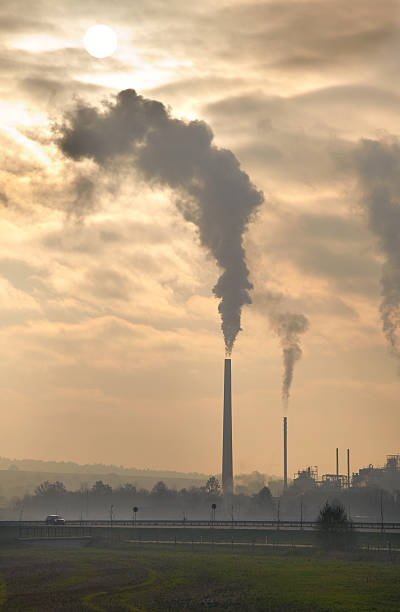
(348, 467)
(285, 452)
(337, 462)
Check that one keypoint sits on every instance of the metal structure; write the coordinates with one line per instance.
(348, 467)
(337, 462)
(306, 479)
(83, 529)
(392, 463)
(227, 461)
(285, 452)
(334, 480)
(387, 477)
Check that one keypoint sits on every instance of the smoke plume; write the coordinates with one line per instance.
(378, 165)
(213, 192)
(289, 326)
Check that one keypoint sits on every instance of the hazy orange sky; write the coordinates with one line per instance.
(111, 348)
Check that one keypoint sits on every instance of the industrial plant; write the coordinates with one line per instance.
(386, 477)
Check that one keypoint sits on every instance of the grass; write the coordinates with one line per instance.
(160, 578)
(9, 534)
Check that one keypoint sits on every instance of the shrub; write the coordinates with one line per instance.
(334, 529)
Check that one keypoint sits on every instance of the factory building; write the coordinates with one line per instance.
(386, 477)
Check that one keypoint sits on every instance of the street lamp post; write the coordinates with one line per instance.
(213, 509)
(301, 512)
(279, 513)
(134, 510)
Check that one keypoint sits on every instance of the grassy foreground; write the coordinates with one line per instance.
(157, 578)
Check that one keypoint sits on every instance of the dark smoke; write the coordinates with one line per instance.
(289, 326)
(378, 165)
(214, 193)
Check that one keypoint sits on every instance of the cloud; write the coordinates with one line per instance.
(109, 284)
(333, 251)
(21, 275)
(308, 34)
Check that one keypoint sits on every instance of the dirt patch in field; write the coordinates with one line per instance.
(53, 585)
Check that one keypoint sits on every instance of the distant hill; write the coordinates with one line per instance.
(21, 476)
(69, 467)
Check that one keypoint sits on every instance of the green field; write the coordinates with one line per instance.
(134, 577)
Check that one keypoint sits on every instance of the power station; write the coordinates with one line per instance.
(308, 477)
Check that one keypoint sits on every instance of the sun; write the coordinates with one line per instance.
(100, 41)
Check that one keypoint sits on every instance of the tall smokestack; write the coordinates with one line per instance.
(348, 467)
(337, 462)
(285, 452)
(227, 463)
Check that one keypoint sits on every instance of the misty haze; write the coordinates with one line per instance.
(200, 306)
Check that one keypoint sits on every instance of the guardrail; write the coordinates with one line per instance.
(272, 524)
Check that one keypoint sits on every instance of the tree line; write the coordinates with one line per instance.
(360, 503)
(159, 502)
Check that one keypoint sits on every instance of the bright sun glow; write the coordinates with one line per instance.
(100, 41)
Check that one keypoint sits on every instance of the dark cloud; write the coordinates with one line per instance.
(294, 142)
(84, 190)
(4, 198)
(192, 87)
(309, 34)
(301, 109)
(328, 305)
(360, 95)
(99, 237)
(49, 91)
(107, 283)
(49, 79)
(22, 275)
(16, 22)
(331, 247)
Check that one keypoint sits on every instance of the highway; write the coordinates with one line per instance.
(206, 524)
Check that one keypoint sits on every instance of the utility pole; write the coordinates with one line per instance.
(301, 513)
(285, 452)
(348, 467)
(213, 509)
(279, 509)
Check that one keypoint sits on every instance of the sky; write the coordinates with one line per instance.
(111, 347)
